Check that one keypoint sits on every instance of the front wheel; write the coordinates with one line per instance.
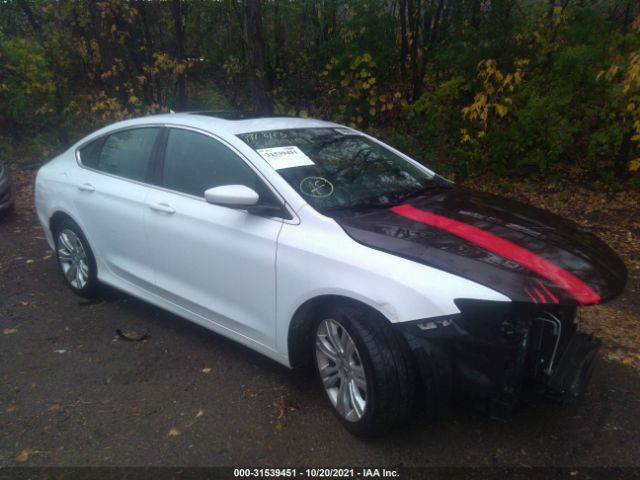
(75, 259)
(365, 368)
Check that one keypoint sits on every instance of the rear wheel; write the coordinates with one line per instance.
(75, 259)
(365, 368)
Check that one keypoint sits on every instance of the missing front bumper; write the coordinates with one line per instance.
(569, 380)
(494, 358)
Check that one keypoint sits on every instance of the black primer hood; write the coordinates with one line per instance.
(523, 252)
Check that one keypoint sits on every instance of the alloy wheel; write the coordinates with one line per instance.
(341, 370)
(73, 259)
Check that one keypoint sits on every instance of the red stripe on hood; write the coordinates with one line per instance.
(564, 279)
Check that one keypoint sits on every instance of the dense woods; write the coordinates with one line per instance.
(535, 88)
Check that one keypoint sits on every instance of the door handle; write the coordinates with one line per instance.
(162, 207)
(86, 187)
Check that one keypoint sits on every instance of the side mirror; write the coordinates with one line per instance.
(235, 196)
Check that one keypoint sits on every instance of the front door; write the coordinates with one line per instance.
(215, 261)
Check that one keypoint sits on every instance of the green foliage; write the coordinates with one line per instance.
(27, 84)
(521, 88)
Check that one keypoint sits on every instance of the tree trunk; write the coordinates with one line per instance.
(152, 95)
(181, 94)
(621, 161)
(404, 44)
(255, 56)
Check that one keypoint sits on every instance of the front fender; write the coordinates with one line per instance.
(317, 258)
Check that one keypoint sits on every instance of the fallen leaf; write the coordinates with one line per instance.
(12, 409)
(23, 456)
(24, 303)
(175, 431)
(29, 261)
(91, 301)
(206, 370)
(60, 351)
(248, 394)
(46, 257)
(9, 331)
(132, 336)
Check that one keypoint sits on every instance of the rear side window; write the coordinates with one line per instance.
(126, 154)
(90, 154)
(194, 163)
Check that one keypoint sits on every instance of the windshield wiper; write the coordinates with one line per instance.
(361, 206)
(422, 190)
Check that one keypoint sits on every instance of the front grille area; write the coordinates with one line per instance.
(550, 333)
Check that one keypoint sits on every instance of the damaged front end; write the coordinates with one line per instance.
(492, 351)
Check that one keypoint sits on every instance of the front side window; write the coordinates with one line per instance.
(125, 154)
(194, 163)
(338, 168)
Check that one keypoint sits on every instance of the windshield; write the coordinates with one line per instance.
(338, 168)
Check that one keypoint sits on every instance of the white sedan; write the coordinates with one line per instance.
(312, 242)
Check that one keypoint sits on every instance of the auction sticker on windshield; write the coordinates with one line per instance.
(285, 157)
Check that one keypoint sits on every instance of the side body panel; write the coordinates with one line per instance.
(318, 258)
(216, 261)
(112, 212)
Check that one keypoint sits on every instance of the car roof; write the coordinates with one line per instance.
(231, 125)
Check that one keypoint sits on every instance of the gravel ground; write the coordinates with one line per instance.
(74, 393)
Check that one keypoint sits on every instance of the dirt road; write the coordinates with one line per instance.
(74, 392)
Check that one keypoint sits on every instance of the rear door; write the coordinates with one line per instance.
(110, 198)
(215, 261)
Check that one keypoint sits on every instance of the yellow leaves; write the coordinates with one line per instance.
(501, 110)
(180, 429)
(628, 358)
(353, 84)
(629, 81)
(491, 99)
(9, 331)
(165, 63)
(23, 456)
(634, 165)
(206, 370)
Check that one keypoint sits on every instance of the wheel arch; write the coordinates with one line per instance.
(57, 218)
(301, 326)
(60, 216)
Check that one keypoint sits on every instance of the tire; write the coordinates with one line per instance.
(370, 377)
(75, 259)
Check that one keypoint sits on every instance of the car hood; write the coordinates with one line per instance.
(523, 252)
